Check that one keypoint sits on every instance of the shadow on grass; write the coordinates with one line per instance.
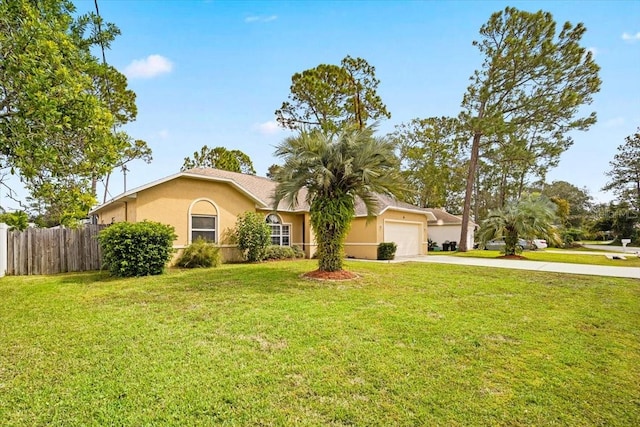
(266, 277)
(84, 277)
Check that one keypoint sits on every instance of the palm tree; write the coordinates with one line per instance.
(527, 218)
(334, 170)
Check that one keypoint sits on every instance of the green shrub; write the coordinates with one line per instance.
(387, 251)
(253, 236)
(18, 220)
(275, 252)
(298, 251)
(199, 254)
(279, 252)
(136, 249)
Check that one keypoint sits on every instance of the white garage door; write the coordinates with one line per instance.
(406, 235)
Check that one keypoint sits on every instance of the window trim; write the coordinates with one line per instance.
(191, 215)
(214, 229)
(280, 225)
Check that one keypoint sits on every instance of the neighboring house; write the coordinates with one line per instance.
(448, 227)
(206, 202)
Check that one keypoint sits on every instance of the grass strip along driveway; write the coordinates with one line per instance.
(405, 344)
(556, 255)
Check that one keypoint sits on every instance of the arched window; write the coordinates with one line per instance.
(203, 220)
(280, 233)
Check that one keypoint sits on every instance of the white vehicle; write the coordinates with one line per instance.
(539, 244)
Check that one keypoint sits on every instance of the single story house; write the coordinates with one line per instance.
(448, 228)
(206, 202)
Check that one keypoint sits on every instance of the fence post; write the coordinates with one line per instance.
(4, 251)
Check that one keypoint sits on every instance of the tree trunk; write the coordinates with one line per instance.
(331, 218)
(473, 165)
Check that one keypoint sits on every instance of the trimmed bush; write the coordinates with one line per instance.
(387, 251)
(253, 236)
(199, 254)
(275, 252)
(298, 251)
(136, 249)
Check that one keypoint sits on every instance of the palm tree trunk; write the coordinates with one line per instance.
(331, 218)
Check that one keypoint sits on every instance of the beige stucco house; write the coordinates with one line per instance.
(448, 228)
(206, 202)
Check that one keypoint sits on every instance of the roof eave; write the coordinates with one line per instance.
(132, 194)
(430, 216)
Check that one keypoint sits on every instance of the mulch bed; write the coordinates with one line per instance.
(330, 275)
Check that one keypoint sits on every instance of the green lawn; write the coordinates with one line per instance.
(406, 344)
(556, 255)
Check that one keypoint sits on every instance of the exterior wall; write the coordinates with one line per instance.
(296, 223)
(170, 202)
(364, 236)
(309, 236)
(450, 232)
(362, 240)
(391, 215)
(120, 211)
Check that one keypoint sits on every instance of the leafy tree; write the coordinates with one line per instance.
(620, 219)
(253, 236)
(625, 171)
(527, 218)
(60, 108)
(562, 210)
(329, 97)
(529, 89)
(18, 220)
(518, 159)
(70, 203)
(578, 200)
(334, 170)
(624, 221)
(600, 221)
(220, 158)
(431, 161)
(273, 171)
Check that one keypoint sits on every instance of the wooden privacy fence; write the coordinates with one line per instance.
(53, 250)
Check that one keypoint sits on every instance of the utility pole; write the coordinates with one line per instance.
(124, 172)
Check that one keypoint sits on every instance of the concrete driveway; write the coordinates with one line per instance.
(629, 249)
(552, 267)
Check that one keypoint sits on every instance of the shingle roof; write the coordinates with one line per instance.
(444, 216)
(262, 189)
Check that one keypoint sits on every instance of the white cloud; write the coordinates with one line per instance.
(260, 18)
(268, 128)
(615, 122)
(631, 37)
(151, 66)
(163, 134)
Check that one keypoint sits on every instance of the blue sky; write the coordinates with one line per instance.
(214, 72)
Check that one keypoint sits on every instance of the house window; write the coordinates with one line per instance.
(280, 233)
(203, 226)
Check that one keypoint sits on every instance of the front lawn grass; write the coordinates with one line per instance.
(406, 344)
(556, 255)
